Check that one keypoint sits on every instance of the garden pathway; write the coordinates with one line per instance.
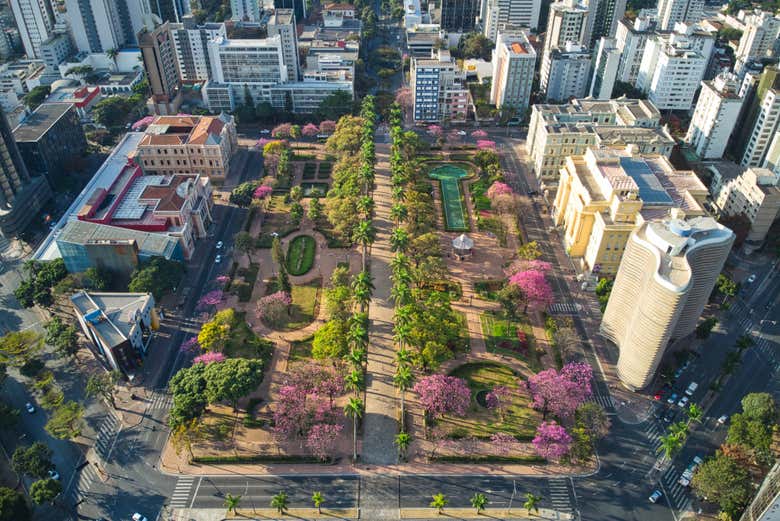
(380, 425)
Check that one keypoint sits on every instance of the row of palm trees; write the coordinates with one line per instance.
(479, 502)
(674, 440)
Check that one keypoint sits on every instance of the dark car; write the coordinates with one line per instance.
(670, 414)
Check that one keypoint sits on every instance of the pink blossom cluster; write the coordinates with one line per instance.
(499, 398)
(527, 265)
(282, 130)
(271, 306)
(142, 123)
(327, 126)
(486, 144)
(222, 279)
(321, 439)
(504, 443)
(262, 191)
(310, 130)
(435, 130)
(552, 441)
(209, 358)
(535, 288)
(440, 394)
(263, 141)
(561, 392)
(498, 188)
(212, 298)
(190, 345)
(479, 134)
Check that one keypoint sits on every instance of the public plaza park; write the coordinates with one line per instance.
(341, 232)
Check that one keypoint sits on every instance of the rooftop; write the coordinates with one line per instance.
(151, 243)
(111, 315)
(39, 122)
(184, 129)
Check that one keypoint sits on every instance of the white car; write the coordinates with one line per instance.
(265, 131)
(751, 279)
(683, 401)
(461, 132)
(139, 517)
(655, 496)
(219, 245)
(217, 259)
(53, 474)
(30, 408)
(723, 419)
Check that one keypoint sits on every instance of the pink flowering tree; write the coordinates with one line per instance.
(536, 291)
(212, 298)
(404, 98)
(526, 265)
(142, 123)
(503, 443)
(479, 134)
(322, 439)
(498, 188)
(292, 416)
(222, 279)
(262, 142)
(190, 345)
(486, 144)
(500, 398)
(209, 358)
(561, 393)
(440, 395)
(262, 191)
(552, 441)
(273, 308)
(281, 131)
(317, 378)
(310, 130)
(435, 131)
(327, 126)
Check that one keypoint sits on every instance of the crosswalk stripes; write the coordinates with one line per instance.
(105, 435)
(160, 400)
(86, 477)
(678, 495)
(181, 494)
(604, 401)
(560, 495)
(563, 309)
(765, 346)
(654, 434)
(745, 323)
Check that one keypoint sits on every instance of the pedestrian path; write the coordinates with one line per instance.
(561, 495)
(160, 400)
(746, 323)
(84, 480)
(564, 308)
(604, 401)
(106, 434)
(181, 494)
(766, 347)
(654, 433)
(677, 494)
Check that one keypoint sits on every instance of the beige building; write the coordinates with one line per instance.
(668, 271)
(756, 195)
(604, 194)
(558, 131)
(188, 145)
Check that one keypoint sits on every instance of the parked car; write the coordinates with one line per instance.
(53, 474)
(655, 496)
(687, 474)
(461, 132)
(670, 414)
(683, 401)
(265, 131)
(139, 517)
(691, 388)
(219, 245)
(672, 398)
(29, 407)
(723, 419)
(217, 259)
(752, 278)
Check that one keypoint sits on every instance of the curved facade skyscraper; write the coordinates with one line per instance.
(666, 275)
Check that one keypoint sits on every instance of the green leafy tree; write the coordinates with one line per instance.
(103, 385)
(188, 387)
(244, 243)
(96, 279)
(13, 507)
(231, 502)
(34, 461)
(593, 418)
(277, 253)
(19, 347)
(335, 105)
(670, 445)
(475, 45)
(723, 481)
(45, 490)
(296, 213)
(232, 379)
(354, 410)
(66, 421)
(439, 502)
(279, 502)
(330, 341)
(157, 276)
(529, 251)
(36, 96)
(760, 407)
(317, 498)
(402, 441)
(113, 111)
(63, 338)
(532, 502)
(314, 212)
(296, 193)
(9, 416)
(241, 195)
(479, 502)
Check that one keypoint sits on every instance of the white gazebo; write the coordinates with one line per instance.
(462, 246)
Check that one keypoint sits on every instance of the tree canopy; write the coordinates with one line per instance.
(35, 460)
(13, 507)
(36, 96)
(113, 111)
(158, 276)
(723, 481)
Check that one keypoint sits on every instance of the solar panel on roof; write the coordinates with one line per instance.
(650, 189)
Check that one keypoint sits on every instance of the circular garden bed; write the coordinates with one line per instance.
(300, 255)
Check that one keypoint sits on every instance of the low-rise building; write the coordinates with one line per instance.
(423, 39)
(188, 144)
(49, 139)
(716, 114)
(606, 193)
(81, 97)
(754, 194)
(439, 89)
(119, 325)
(334, 15)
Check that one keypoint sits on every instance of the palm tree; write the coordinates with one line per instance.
(354, 381)
(362, 287)
(399, 239)
(401, 294)
(479, 501)
(679, 430)
(399, 194)
(231, 502)
(402, 441)
(439, 502)
(354, 410)
(695, 413)
(364, 234)
(531, 502)
(399, 263)
(318, 499)
(670, 445)
(356, 357)
(279, 502)
(403, 380)
(112, 54)
(357, 336)
(365, 206)
(399, 212)
(403, 356)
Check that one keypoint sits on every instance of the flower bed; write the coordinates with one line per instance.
(300, 255)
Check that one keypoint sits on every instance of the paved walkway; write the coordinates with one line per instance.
(380, 424)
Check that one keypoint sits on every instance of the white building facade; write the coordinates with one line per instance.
(672, 12)
(566, 74)
(630, 40)
(35, 21)
(605, 69)
(715, 116)
(514, 60)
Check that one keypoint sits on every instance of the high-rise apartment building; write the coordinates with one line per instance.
(765, 125)
(565, 73)
(606, 193)
(159, 57)
(245, 10)
(247, 65)
(603, 18)
(35, 21)
(439, 89)
(505, 15)
(98, 26)
(630, 40)
(567, 22)
(514, 60)
(191, 44)
(759, 39)
(667, 273)
(715, 116)
(672, 12)
(755, 194)
(282, 24)
(299, 6)
(459, 16)
(21, 195)
(170, 10)
(605, 69)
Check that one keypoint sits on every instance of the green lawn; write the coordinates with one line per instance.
(305, 303)
(520, 420)
(300, 255)
(449, 177)
(244, 343)
(501, 337)
(300, 350)
(277, 220)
